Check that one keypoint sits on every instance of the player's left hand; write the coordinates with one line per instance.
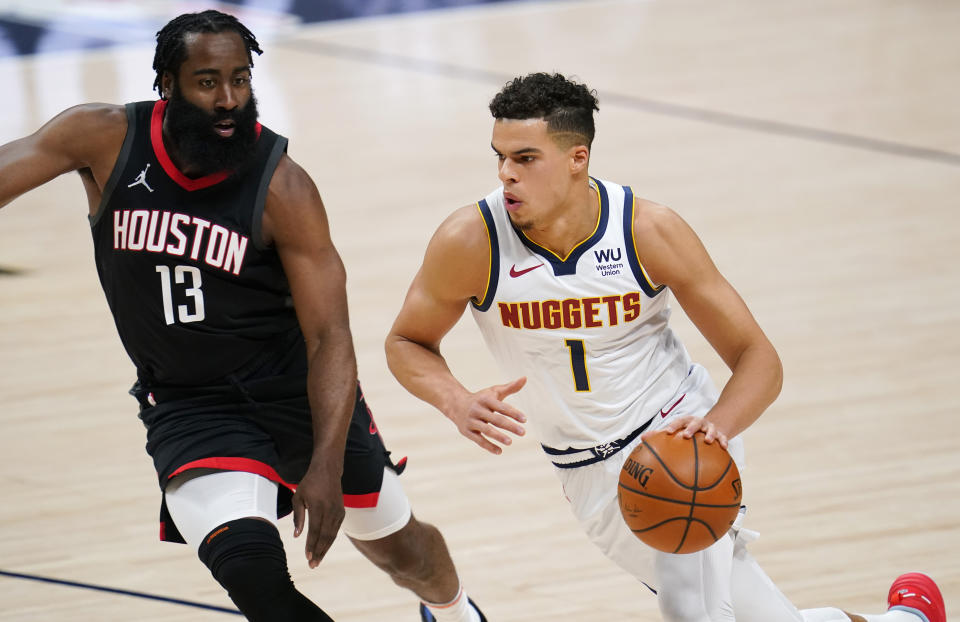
(688, 425)
(319, 497)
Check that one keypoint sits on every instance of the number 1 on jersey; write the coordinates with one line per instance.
(578, 364)
(184, 314)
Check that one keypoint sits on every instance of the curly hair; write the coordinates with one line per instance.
(565, 105)
(171, 47)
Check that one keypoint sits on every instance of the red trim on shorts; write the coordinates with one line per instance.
(246, 465)
(368, 500)
(160, 150)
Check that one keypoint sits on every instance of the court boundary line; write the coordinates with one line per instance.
(114, 590)
(652, 106)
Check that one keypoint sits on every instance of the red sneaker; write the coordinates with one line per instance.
(917, 593)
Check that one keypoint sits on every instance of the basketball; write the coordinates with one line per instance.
(679, 495)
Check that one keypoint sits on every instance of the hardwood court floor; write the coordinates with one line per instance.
(814, 146)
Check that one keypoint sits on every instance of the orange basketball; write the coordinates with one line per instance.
(679, 495)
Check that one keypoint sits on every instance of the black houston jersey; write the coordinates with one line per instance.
(195, 293)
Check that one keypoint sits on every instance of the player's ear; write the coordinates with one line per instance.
(579, 158)
(166, 85)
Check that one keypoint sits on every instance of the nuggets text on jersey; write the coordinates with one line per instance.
(589, 312)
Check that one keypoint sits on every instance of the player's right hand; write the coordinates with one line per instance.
(318, 502)
(484, 417)
(688, 425)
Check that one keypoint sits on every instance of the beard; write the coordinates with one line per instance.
(199, 147)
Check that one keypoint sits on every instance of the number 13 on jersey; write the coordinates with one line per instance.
(578, 364)
(184, 312)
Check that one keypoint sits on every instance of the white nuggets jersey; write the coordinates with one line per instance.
(589, 331)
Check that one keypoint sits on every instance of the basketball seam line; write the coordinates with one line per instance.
(676, 518)
(681, 484)
(693, 499)
(659, 498)
(665, 467)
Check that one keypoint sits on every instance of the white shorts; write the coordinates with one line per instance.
(201, 500)
(592, 489)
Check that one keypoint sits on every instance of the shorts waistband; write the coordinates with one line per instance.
(571, 458)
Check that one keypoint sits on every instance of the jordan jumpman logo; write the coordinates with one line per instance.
(142, 179)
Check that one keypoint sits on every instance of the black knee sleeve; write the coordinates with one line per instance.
(246, 557)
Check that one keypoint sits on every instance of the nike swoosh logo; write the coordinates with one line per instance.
(664, 413)
(514, 273)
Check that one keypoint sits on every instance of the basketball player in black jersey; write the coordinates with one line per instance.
(214, 253)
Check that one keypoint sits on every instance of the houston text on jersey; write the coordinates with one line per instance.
(178, 235)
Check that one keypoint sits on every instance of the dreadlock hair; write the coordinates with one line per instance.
(565, 105)
(172, 50)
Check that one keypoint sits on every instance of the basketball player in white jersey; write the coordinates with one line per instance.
(568, 277)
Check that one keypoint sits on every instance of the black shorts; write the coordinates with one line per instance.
(263, 427)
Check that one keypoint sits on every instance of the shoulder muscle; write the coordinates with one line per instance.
(668, 248)
(456, 263)
(89, 136)
(293, 202)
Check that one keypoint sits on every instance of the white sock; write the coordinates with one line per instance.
(831, 614)
(457, 610)
(892, 616)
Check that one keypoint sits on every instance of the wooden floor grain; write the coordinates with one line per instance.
(814, 146)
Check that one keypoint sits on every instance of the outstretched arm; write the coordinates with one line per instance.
(455, 269)
(83, 137)
(296, 222)
(673, 255)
